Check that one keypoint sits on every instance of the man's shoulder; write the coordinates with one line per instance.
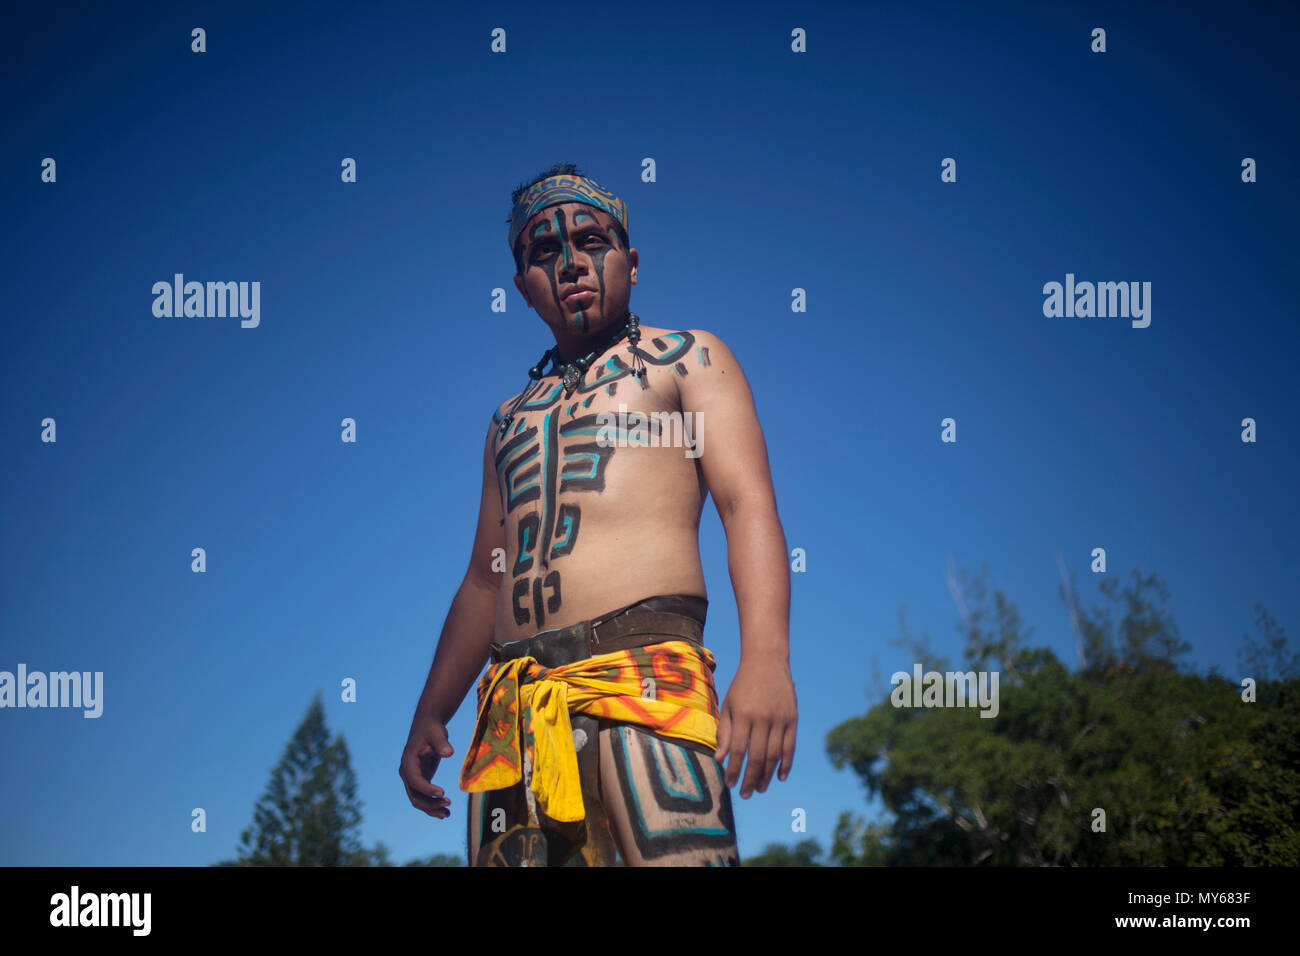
(658, 341)
(503, 407)
(692, 348)
(650, 331)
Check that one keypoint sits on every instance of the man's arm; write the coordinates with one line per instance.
(461, 654)
(760, 713)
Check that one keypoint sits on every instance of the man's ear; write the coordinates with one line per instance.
(519, 284)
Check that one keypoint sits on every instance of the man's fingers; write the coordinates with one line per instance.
(736, 749)
(425, 749)
(433, 806)
(724, 736)
(415, 772)
(757, 759)
(775, 738)
(787, 758)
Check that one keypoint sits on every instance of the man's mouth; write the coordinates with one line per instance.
(578, 294)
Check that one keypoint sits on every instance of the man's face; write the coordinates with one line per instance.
(574, 246)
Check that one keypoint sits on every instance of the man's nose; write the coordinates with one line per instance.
(568, 259)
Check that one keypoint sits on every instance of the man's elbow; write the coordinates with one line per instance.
(751, 507)
(482, 582)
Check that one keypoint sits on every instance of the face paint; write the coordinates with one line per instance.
(567, 247)
(586, 235)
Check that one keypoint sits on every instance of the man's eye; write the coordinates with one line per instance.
(550, 246)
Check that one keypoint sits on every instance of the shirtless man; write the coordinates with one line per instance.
(601, 557)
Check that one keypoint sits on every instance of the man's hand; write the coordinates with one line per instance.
(425, 747)
(759, 714)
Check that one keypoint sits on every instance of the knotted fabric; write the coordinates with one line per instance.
(524, 707)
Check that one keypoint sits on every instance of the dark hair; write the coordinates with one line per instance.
(559, 169)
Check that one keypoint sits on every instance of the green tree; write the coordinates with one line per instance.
(858, 843)
(1184, 770)
(1146, 638)
(438, 859)
(803, 853)
(309, 814)
(1268, 659)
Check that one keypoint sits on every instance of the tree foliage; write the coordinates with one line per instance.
(309, 814)
(803, 853)
(1186, 771)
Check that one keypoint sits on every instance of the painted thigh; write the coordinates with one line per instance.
(507, 829)
(502, 831)
(667, 804)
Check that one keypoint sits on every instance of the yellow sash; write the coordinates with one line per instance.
(665, 687)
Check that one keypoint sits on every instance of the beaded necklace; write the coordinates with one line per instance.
(572, 372)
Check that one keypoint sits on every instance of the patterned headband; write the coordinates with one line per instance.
(559, 189)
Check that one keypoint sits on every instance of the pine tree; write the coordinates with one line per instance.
(309, 814)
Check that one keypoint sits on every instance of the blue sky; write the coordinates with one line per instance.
(775, 171)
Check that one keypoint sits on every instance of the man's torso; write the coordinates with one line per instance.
(591, 527)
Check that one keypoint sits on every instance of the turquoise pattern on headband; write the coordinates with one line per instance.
(559, 189)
